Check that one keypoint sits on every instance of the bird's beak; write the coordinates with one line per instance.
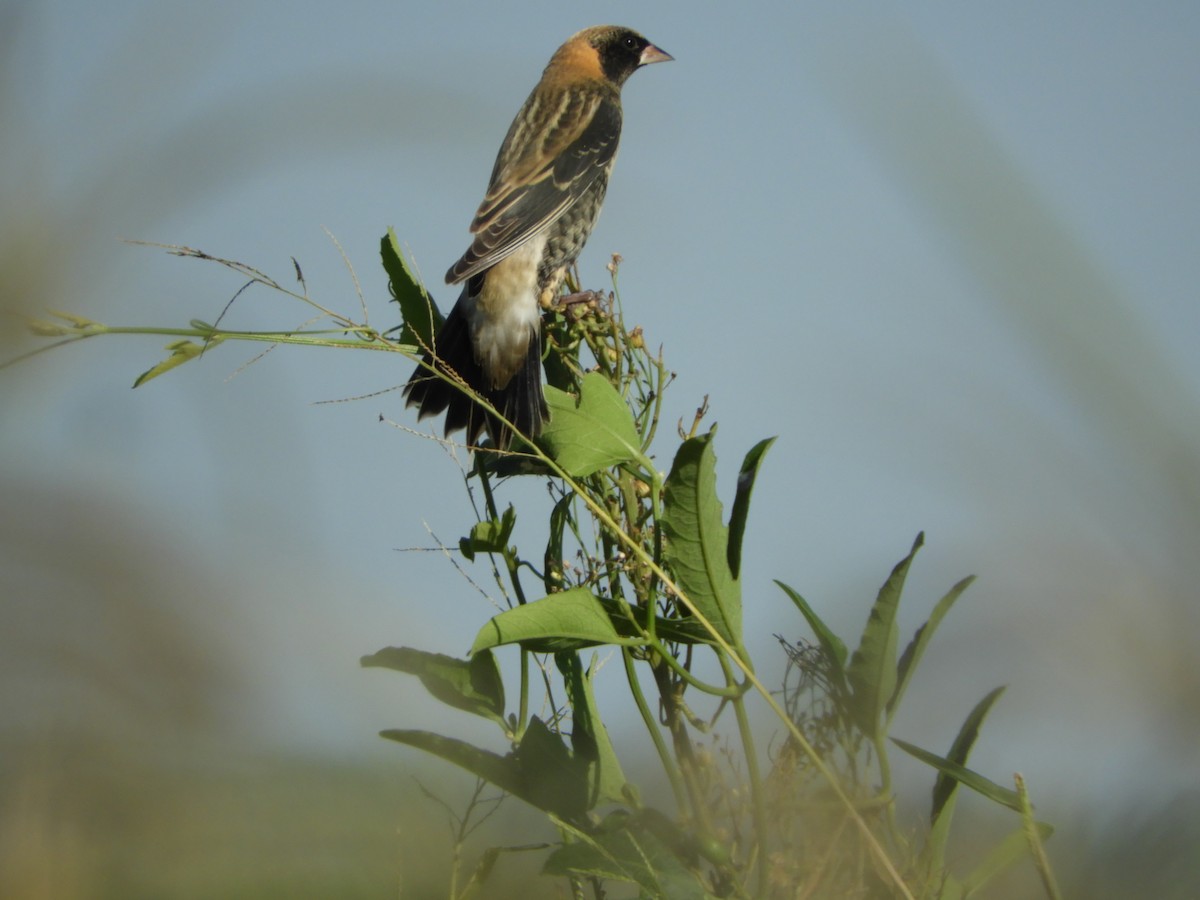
(652, 55)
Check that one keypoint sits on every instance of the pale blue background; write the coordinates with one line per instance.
(948, 253)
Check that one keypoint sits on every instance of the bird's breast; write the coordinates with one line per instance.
(568, 234)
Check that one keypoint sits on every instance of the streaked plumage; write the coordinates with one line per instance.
(545, 193)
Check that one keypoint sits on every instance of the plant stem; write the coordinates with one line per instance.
(651, 723)
(758, 800)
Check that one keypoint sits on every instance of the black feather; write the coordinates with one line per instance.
(521, 401)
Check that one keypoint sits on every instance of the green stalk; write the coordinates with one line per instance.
(651, 723)
(758, 799)
(368, 338)
(511, 564)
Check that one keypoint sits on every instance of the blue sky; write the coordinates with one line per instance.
(947, 254)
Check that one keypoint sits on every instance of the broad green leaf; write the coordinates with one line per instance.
(181, 352)
(564, 621)
(552, 778)
(575, 619)
(490, 536)
(916, 647)
(502, 771)
(697, 540)
(540, 771)
(417, 309)
(963, 775)
(1001, 857)
(591, 433)
(626, 848)
(473, 685)
(831, 645)
(589, 738)
(872, 670)
(741, 502)
(945, 788)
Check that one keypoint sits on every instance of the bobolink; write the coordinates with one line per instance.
(544, 197)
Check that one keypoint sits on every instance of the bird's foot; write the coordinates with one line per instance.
(579, 303)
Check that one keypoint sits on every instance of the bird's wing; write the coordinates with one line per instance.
(553, 152)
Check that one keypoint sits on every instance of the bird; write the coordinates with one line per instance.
(542, 201)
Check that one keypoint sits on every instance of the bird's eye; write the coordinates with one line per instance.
(631, 42)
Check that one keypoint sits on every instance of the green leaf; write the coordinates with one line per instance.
(490, 536)
(473, 685)
(540, 771)
(696, 539)
(420, 314)
(872, 670)
(963, 775)
(945, 788)
(552, 778)
(1001, 857)
(566, 621)
(1035, 840)
(502, 771)
(575, 619)
(831, 645)
(560, 516)
(181, 352)
(593, 433)
(960, 750)
(590, 742)
(741, 502)
(916, 647)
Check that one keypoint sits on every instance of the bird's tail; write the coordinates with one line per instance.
(521, 401)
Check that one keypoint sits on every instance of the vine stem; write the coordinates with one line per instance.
(660, 746)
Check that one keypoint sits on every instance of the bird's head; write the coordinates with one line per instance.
(609, 51)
